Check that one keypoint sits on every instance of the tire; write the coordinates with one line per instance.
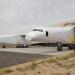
(4, 46)
(59, 46)
(71, 47)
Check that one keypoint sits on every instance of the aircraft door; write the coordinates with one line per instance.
(46, 33)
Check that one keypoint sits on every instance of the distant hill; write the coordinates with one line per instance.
(66, 23)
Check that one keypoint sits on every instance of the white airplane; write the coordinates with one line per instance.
(59, 35)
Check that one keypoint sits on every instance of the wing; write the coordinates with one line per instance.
(12, 39)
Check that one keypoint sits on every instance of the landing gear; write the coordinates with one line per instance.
(59, 46)
(71, 47)
(3, 46)
(21, 46)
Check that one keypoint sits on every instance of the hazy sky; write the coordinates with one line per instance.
(16, 15)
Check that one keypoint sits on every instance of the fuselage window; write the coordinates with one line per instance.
(40, 30)
(35, 30)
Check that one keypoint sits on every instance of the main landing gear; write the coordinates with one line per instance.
(59, 46)
(71, 47)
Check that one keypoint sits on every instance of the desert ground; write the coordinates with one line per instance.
(57, 65)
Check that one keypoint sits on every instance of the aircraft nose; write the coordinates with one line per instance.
(28, 38)
(31, 36)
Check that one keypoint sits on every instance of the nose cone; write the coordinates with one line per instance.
(34, 36)
(28, 38)
(31, 36)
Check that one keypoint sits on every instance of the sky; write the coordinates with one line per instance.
(22, 15)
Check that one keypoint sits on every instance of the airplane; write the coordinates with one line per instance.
(62, 36)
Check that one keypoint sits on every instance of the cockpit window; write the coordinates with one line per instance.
(35, 30)
(40, 30)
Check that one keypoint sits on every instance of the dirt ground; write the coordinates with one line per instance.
(58, 65)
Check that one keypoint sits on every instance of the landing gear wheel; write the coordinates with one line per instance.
(59, 46)
(71, 47)
(4, 46)
(20, 46)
